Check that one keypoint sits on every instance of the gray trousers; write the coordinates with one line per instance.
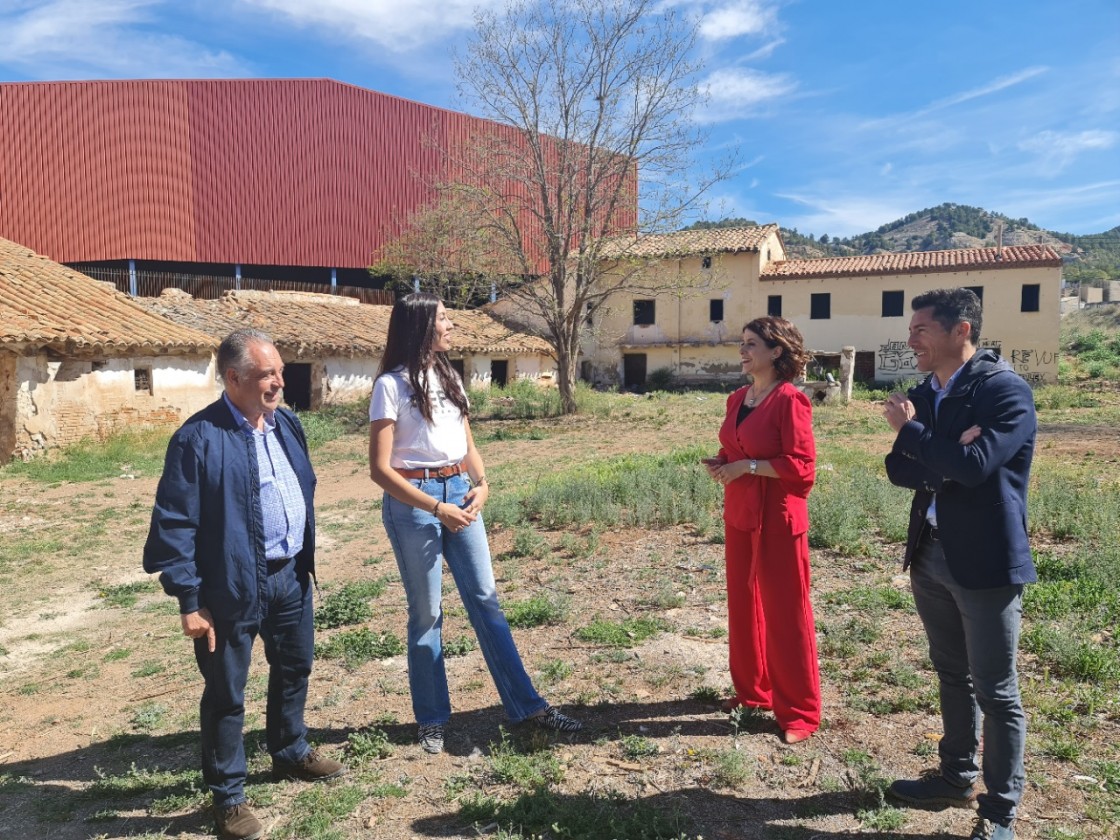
(973, 637)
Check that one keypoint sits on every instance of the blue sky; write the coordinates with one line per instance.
(846, 113)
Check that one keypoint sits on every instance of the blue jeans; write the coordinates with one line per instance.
(288, 633)
(973, 638)
(421, 544)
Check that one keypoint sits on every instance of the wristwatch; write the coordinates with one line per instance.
(754, 466)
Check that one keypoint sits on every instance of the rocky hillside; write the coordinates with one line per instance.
(1093, 258)
(1089, 259)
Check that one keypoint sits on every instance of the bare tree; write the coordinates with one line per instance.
(593, 98)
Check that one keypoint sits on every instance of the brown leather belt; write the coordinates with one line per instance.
(433, 472)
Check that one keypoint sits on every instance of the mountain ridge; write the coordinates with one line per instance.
(1093, 258)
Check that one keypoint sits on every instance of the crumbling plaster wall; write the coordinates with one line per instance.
(60, 401)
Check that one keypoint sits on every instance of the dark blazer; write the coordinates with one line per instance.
(207, 534)
(780, 430)
(981, 488)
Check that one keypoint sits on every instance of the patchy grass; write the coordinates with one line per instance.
(130, 452)
(586, 575)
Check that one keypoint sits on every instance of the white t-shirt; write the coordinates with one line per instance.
(416, 444)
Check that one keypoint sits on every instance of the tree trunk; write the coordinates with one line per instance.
(566, 380)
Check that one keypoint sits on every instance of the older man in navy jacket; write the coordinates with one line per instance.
(965, 438)
(233, 538)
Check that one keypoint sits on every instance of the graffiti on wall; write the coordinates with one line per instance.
(896, 360)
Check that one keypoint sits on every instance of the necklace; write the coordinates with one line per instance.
(757, 397)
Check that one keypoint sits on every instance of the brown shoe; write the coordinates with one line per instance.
(313, 767)
(237, 823)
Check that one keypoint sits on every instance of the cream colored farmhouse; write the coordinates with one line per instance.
(710, 283)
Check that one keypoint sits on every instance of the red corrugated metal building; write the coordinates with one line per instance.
(276, 172)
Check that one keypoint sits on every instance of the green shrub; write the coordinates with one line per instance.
(355, 647)
(349, 605)
(661, 379)
(334, 421)
(625, 633)
(523, 399)
(461, 645)
(528, 770)
(535, 611)
(528, 543)
(367, 745)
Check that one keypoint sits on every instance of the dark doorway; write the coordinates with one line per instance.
(297, 386)
(634, 370)
(864, 366)
(457, 366)
(499, 372)
(585, 370)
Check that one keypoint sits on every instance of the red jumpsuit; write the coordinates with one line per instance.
(771, 635)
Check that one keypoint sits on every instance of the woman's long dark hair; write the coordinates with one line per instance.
(778, 332)
(412, 330)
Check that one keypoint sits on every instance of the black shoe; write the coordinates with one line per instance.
(313, 767)
(933, 789)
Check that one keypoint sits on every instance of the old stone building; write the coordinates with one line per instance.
(78, 359)
(332, 345)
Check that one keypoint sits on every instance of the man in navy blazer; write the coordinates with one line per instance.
(233, 539)
(965, 438)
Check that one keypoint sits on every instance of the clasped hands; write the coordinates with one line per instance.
(457, 518)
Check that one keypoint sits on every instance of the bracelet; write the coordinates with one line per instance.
(435, 508)
(480, 480)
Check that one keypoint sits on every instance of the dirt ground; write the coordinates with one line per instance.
(92, 691)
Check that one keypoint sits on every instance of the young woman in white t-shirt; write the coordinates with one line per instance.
(422, 455)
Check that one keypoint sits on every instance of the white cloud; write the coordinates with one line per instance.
(735, 92)
(764, 52)
(1059, 149)
(78, 39)
(398, 26)
(995, 86)
(741, 17)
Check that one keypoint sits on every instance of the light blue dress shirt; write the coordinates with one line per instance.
(282, 505)
(939, 394)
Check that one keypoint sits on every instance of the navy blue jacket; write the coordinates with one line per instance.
(207, 534)
(981, 488)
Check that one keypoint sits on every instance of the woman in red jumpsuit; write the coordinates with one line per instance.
(766, 464)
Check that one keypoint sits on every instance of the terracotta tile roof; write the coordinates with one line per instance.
(304, 324)
(916, 262)
(44, 304)
(685, 242)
